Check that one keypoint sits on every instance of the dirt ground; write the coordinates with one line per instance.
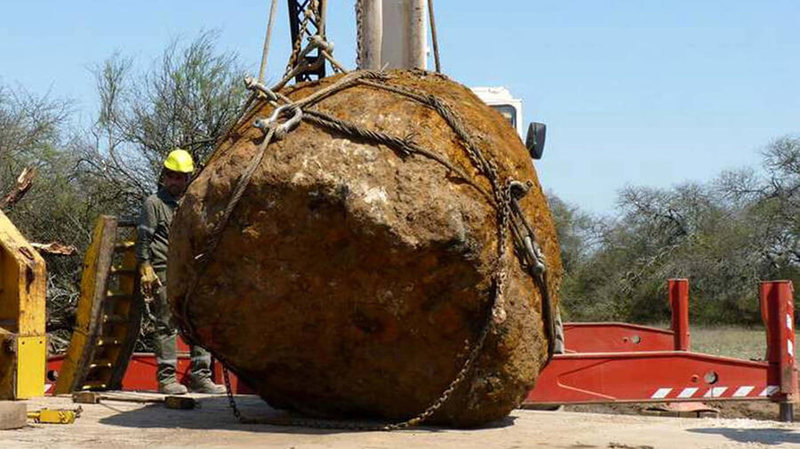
(124, 424)
(755, 410)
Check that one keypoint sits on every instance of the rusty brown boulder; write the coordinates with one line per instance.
(351, 279)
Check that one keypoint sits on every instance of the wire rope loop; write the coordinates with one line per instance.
(317, 41)
(254, 85)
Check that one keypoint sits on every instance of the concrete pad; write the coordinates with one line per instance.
(126, 424)
(13, 415)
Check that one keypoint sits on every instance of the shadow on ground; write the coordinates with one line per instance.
(214, 413)
(760, 436)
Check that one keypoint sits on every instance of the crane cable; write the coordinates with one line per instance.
(433, 37)
(267, 38)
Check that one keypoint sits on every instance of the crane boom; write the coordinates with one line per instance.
(301, 25)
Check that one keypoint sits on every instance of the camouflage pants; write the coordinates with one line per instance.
(166, 335)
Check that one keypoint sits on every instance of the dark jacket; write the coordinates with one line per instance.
(152, 243)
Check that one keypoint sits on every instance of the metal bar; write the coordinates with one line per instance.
(267, 38)
(777, 307)
(786, 412)
(625, 337)
(88, 330)
(417, 35)
(679, 303)
(371, 34)
(433, 37)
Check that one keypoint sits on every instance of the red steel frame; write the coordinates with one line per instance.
(625, 337)
(618, 362)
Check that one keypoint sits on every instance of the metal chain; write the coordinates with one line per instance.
(503, 212)
(229, 392)
(359, 35)
(403, 146)
(301, 33)
(335, 65)
(328, 424)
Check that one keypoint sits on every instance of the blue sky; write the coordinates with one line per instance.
(633, 92)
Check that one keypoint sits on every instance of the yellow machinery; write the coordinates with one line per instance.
(22, 315)
(108, 316)
(57, 416)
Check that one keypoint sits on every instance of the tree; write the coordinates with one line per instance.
(186, 100)
(726, 235)
(31, 128)
(578, 232)
(35, 137)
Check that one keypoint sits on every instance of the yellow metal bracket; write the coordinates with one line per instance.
(54, 416)
(30, 367)
(22, 315)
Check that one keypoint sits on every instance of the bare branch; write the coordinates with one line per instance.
(24, 183)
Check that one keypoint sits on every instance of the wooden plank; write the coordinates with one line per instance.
(13, 415)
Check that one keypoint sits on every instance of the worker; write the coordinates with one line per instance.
(151, 251)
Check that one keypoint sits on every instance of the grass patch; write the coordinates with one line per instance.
(741, 342)
(730, 341)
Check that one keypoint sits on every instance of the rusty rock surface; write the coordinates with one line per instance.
(350, 281)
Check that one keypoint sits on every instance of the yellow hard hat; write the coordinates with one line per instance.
(179, 161)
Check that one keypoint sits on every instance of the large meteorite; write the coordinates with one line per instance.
(352, 279)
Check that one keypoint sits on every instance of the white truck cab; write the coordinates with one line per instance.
(501, 100)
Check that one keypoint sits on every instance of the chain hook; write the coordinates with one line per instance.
(518, 189)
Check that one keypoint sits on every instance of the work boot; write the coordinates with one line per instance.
(172, 388)
(206, 386)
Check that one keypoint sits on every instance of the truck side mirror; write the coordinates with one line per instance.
(534, 140)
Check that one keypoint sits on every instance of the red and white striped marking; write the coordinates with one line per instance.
(715, 392)
(743, 391)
